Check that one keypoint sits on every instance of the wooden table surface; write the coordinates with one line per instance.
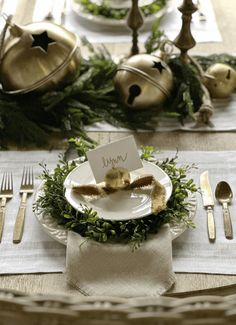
(186, 284)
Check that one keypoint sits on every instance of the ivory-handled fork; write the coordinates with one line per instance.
(27, 187)
(202, 16)
(49, 15)
(6, 192)
(63, 12)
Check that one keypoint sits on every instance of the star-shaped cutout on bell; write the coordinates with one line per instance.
(158, 66)
(42, 40)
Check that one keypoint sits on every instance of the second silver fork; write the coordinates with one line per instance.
(6, 192)
(27, 187)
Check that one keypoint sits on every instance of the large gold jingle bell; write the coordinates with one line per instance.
(143, 81)
(40, 57)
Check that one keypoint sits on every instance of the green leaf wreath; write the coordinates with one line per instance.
(32, 118)
(89, 225)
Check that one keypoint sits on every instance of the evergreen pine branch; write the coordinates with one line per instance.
(155, 39)
(91, 98)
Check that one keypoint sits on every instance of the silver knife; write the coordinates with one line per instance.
(208, 202)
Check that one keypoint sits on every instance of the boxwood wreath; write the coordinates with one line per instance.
(32, 118)
(105, 10)
(52, 202)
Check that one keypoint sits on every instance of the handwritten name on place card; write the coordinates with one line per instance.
(121, 153)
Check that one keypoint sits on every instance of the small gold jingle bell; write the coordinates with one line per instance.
(220, 80)
(39, 56)
(143, 81)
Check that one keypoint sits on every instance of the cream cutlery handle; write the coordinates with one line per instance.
(211, 224)
(227, 222)
(2, 216)
(20, 219)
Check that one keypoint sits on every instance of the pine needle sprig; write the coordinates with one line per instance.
(207, 60)
(155, 39)
(91, 97)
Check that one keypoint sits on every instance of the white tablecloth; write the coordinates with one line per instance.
(192, 251)
(37, 252)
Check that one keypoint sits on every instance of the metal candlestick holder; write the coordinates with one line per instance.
(184, 42)
(135, 22)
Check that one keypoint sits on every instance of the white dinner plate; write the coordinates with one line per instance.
(59, 232)
(121, 205)
(101, 21)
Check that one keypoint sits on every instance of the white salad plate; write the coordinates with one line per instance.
(121, 205)
(111, 23)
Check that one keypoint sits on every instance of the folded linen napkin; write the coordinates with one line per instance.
(115, 270)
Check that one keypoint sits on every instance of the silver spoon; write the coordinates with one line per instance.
(224, 194)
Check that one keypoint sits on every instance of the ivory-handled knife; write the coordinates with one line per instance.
(208, 202)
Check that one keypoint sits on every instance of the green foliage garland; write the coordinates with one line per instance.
(91, 97)
(87, 223)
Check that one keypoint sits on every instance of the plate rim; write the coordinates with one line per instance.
(144, 162)
(78, 10)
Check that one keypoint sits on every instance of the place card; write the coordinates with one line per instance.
(120, 153)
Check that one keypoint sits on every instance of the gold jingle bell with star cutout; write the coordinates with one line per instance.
(143, 81)
(39, 56)
(220, 80)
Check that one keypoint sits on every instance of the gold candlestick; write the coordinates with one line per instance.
(185, 41)
(135, 22)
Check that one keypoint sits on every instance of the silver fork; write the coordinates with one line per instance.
(201, 15)
(6, 192)
(49, 15)
(27, 188)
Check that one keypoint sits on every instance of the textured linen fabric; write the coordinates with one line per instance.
(223, 119)
(37, 252)
(115, 270)
(192, 251)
